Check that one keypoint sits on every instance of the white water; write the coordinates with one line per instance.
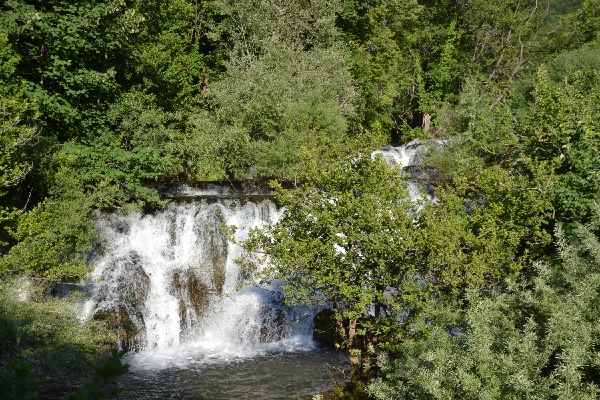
(405, 156)
(174, 275)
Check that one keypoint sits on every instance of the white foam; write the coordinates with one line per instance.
(141, 258)
(208, 353)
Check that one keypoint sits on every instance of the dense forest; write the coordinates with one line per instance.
(488, 291)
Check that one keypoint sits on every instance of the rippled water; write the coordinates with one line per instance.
(281, 371)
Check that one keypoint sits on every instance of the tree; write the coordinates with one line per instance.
(564, 127)
(534, 339)
(286, 96)
(545, 129)
(381, 35)
(133, 145)
(55, 236)
(342, 242)
(69, 55)
(16, 125)
(17, 133)
(352, 239)
(175, 56)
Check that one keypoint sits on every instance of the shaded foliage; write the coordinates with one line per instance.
(47, 332)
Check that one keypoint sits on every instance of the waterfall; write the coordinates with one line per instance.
(408, 157)
(168, 281)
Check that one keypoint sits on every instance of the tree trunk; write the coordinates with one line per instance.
(426, 122)
(355, 352)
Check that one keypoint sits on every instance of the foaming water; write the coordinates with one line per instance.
(170, 279)
(200, 354)
(404, 156)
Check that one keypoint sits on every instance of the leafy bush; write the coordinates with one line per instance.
(534, 340)
(48, 332)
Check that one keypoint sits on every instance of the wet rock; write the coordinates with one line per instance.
(130, 283)
(218, 273)
(190, 290)
(121, 298)
(193, 296)
(215, 246)
(129, 335)
(272, 326)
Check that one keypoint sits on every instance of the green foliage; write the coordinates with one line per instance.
(54, 238)
(314, 98)
(177, 56)
(588, 19)
(549, 136)
(253, 26)
(350, 236)
(69, 53)
(380, 35)
(48, 332)
(411, 60)
(16, 125)
(286, 96)
(133, 147)
(533, 340)
(438, 85)
(341, 238)
(103, 98)
(103, 384)
(17, 134)
(564, 128)
(15, 384)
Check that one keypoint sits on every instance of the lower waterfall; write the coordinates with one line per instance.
(168, 283)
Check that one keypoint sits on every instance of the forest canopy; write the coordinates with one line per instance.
(103, 101)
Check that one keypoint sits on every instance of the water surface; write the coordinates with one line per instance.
(273, 374)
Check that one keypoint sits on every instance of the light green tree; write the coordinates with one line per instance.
(532, 339)
(286, 96)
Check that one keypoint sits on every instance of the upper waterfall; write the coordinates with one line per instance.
(407, 155)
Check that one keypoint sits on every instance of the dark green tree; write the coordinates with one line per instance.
(70, 54)
(351, 238)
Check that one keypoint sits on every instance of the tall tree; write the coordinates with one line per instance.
(17, 135)
(70, 54)
(351, 238)
(286, 96)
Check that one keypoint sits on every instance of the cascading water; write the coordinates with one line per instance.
(407, 157)
(168, 281)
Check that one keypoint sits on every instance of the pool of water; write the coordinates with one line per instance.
(272, 372)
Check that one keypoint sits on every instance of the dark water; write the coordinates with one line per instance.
(286, 375)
